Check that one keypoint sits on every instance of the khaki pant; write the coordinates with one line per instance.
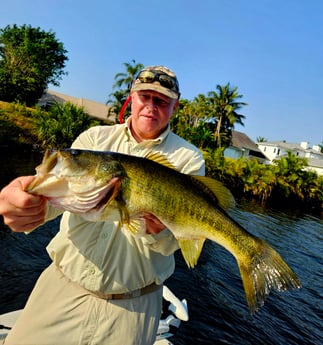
(59, 312)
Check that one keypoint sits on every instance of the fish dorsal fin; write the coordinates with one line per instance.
(191, 250)
(160, 159)
(222, 193)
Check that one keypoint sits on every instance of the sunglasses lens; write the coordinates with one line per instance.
(166, 81)
(146, 77)
(163, 79)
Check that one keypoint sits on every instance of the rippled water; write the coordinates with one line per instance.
(218, 311)
(217, 306)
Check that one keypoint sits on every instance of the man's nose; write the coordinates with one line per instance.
(151, 104)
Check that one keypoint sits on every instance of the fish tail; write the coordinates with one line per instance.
(268, 271)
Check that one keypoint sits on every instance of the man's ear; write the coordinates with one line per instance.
(176, 104)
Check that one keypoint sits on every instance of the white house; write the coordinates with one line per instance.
(277, 149)
(243, 146)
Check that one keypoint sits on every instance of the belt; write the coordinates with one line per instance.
(131, 294)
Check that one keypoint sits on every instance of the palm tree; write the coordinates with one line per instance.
(122, 86)
(225, 106)
(191, 121)
(115, 103)
(261, 140)
(125, 79)
(61, 124)
(290, 172)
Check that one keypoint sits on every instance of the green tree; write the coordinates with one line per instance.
(115, 103)
(60, 126)
(225, 106)
(261, 140)
(208, 121)
(191, 121)
(122, 86)
(123, 80)
(30, 60)
(290, 175)
(258, 180)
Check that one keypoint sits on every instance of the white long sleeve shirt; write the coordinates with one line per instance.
(104, 257)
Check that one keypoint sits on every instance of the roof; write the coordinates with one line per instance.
(292, 146)
(242, 141)
(95, 109)
(282, 144)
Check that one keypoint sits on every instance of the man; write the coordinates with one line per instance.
(104, 285)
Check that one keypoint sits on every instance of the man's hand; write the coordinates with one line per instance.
(21, 211)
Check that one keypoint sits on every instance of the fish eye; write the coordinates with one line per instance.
(74, 152)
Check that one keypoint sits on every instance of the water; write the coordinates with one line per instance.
(217, 306)
(218, 311)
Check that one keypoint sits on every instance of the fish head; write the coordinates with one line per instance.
(77, 180)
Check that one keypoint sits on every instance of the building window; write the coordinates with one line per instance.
(278, 152)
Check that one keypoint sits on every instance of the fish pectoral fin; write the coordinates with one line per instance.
(191, 250)
(137, 226)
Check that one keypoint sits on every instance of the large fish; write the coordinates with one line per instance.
(114, 186)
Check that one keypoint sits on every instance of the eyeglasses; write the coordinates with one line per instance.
(163, 79)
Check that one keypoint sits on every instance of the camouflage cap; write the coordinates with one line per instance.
(161, 79)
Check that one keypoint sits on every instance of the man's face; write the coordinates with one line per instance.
(150, 113)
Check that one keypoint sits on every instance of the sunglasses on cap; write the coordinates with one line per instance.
(163, 79)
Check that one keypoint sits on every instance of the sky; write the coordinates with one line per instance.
(271, 50)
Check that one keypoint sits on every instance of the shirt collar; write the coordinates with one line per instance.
(157, 140)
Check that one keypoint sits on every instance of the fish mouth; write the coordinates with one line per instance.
(74, 192)
(88, 201)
